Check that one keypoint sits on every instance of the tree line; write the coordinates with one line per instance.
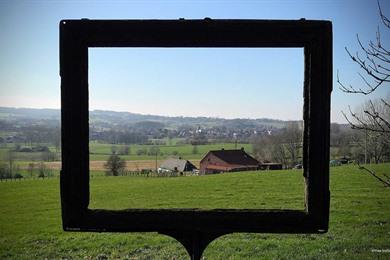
(359, 146)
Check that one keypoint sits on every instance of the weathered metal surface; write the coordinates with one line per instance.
(192, 227)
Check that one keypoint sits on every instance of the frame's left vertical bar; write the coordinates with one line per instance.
(74, 121)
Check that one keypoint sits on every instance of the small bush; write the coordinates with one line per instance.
(18, 176)
(142, 151)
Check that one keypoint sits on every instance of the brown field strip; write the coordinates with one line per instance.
(130, 165)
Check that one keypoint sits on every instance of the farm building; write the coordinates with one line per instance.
(227, 161)
(271, 166)
(176, 165)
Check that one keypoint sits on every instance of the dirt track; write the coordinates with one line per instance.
(130, 165)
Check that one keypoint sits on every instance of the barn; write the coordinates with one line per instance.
(176, 165)
(271, 166)
(227, 161)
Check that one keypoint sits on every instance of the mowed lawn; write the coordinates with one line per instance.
(30, 218)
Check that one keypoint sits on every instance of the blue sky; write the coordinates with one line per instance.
(247, 83)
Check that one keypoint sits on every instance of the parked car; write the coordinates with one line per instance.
(344, 160)
(298, 166)
(334, 163)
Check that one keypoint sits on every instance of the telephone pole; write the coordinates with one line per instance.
(365, 148)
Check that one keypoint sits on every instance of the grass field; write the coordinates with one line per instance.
(101, 151)
(261, 189)
(30, 218)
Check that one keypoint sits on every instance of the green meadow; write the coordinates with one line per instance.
(229, 190)
(101, 151)
(30, 217)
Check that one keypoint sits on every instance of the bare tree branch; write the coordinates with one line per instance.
(374, 117)
(372, 173)
(384, 19)
(375, 64)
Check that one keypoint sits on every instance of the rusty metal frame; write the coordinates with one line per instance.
(195, 229)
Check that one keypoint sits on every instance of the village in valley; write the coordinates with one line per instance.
(130, 144)
(142, 145)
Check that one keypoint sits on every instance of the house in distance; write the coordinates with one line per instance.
(228, 161)
(176, 165)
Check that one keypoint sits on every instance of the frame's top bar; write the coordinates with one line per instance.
(196, 33)
(206, 19)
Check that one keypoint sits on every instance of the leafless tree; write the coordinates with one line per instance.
(57, 139)
(284, 147)
(374, 62)
(42, 170)
(373, 117)
(279, 154)
(10, 157)
(262, 147)
(293, 142)
(30, 169)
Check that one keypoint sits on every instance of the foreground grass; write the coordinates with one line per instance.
(30, 225)
(261, 189)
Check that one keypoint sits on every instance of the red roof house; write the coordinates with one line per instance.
(227, 161)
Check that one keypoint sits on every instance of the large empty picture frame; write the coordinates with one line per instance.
(76, 36)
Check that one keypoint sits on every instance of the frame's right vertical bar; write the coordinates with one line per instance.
(306, 121)
(318, 129)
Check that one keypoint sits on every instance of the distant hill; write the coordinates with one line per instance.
(103, 117)
(10, 113)
(42, 125)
